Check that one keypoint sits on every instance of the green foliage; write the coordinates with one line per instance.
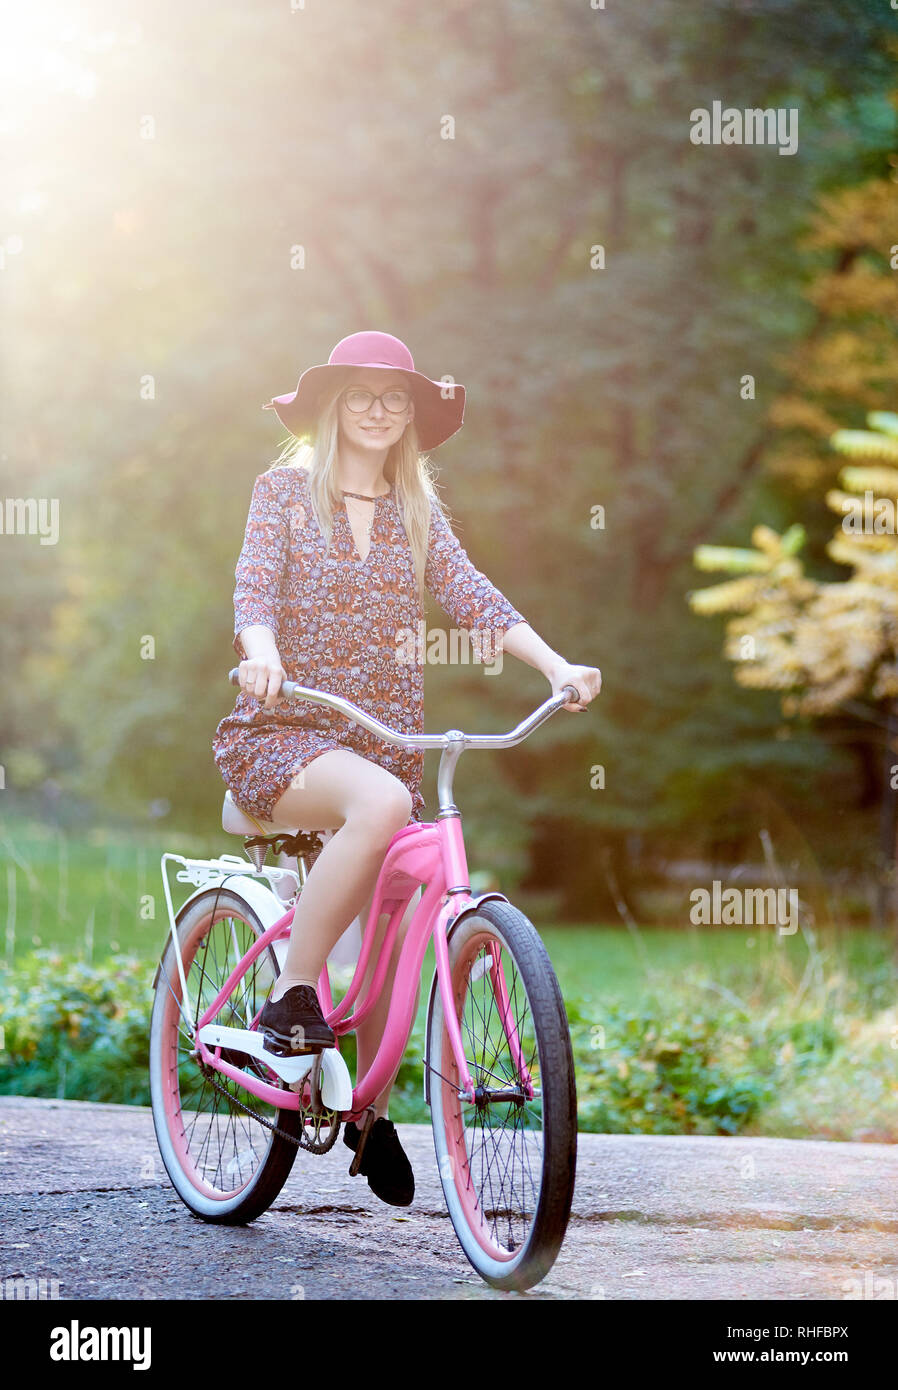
(90, 892)
(612, 387)
(678, 1061)
(679, 1070)
(75, 1030)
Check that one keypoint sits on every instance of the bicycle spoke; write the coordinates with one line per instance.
(503, 1141)
(224, 1144)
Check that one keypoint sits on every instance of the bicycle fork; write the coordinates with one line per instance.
(500, 993)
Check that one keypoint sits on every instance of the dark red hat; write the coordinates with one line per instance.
(439, 405)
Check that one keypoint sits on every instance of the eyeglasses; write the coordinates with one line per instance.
(358, 400)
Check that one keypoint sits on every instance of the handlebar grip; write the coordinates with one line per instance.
(285, 692)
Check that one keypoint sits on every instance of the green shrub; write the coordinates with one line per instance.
(81, 1031)
(76, 1030)
(681, 1071)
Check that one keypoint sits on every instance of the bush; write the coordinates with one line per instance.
(680, 1071)
(76, 1030)
(81, 1031)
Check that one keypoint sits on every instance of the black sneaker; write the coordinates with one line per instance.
(384, 1162)
(295, 1023)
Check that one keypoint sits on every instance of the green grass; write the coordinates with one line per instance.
(92, 895)
(101, 892)
(702, 1030)
(608, 964)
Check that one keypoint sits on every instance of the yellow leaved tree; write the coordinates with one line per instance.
(829, 647)
(849, 358)
(822, 644)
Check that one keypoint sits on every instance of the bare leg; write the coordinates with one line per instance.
(365, 805)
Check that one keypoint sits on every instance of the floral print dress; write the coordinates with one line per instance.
(337, 622)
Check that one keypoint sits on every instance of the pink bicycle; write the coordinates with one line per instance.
(498, 1067)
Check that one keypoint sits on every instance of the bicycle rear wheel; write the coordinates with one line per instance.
(225, 1165)
(507, 1161)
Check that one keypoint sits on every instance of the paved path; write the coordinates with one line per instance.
(84, 1200)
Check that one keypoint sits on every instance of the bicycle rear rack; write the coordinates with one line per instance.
(206, 873)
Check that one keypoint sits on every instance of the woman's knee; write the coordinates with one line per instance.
(340, 787)
(383, 807)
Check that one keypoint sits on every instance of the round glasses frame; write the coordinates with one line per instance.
(370, 398)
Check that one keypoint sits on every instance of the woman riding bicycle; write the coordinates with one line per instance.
(345, 533)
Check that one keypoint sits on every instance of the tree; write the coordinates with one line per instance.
(828, 646)
(847, 364)
(274, 132)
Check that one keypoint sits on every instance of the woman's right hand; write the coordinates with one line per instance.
(262, 677)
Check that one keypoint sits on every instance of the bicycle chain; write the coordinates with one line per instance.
(268, 1124)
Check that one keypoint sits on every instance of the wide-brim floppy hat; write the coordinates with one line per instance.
(439, 405)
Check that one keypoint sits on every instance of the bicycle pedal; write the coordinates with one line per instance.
(364, 1131)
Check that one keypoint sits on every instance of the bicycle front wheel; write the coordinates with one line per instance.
(506, 1160)
(226, 1165)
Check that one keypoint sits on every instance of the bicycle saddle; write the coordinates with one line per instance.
(266, 834)
(237, 822)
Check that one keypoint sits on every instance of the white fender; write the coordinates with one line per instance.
(336, 1083)
(259, 896)
(268, 908)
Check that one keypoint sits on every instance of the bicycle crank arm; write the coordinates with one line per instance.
(364, 1131)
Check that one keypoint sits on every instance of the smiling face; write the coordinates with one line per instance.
(375, 428)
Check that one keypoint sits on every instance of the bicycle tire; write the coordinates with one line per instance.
(276, 1155)
(519, 1266)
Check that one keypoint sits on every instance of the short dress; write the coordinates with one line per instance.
(343, 625)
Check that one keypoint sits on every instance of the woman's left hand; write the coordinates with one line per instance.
(585, 679)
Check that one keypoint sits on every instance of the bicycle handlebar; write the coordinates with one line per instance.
(291, 690)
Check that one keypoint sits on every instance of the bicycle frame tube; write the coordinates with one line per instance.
(419, 854)
(431, 854)
(413, 857)
(434, 855)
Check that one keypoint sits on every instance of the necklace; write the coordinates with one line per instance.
(361, 496)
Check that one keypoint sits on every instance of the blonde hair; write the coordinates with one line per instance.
(410, 472)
